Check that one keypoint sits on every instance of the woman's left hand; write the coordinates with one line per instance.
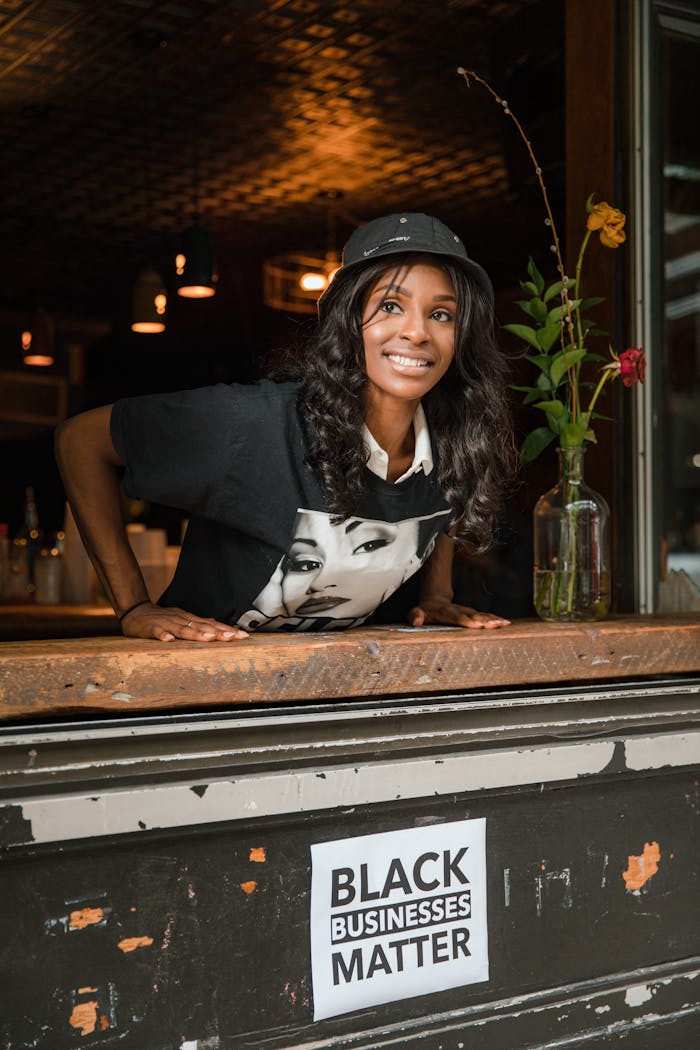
(439, 611)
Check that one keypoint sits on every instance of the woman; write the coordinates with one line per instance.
(399, 427)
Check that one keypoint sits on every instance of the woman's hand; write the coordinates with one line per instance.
(154, 621)
(442, 611)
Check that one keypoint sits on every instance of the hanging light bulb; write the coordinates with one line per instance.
(37, 340)
(149, 303)
(313, 281)
(194, 265)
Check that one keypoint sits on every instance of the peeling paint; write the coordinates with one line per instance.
(87, 991)
(122, 696)
(638, 994)
(249, 887)
(602, 1009)
(640, 869)
(257, 855)
(86, 917)
(84, 1017)
(130, 944)
(506, 887)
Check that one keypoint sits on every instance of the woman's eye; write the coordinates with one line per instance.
(371, 545)
(389, 306)
(300, 565)
(442, 315)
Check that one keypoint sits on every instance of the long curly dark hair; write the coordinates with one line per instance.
(467, 411)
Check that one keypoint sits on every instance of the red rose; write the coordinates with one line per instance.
(633, 366)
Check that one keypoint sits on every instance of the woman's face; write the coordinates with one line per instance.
(409, 325)
(344, 570)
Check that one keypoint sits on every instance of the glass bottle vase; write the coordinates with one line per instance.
(571, 547)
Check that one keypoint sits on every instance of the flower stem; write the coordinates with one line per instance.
(571, 370)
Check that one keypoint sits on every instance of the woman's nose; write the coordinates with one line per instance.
(413, 327)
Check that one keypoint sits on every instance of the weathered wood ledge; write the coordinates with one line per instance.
(122, 675)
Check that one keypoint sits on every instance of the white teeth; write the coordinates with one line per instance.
(411, 361)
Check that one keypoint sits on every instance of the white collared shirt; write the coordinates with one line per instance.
(378, 461)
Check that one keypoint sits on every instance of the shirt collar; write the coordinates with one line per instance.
(378, 460)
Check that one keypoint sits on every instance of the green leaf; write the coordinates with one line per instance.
(573, 435)
(529, 288)
(552, 408)
(522, 389)
(536, 442)
(562, 362)
(535, 275)
(534, 308)
(594, 301)
(544, 383)
(523, 331)
(560, 311)
(532, 397)
(541, 361)
(548, 335)
(554, 289)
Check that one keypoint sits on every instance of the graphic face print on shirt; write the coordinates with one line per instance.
(340, 572)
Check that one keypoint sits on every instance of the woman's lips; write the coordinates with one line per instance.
(320, 605)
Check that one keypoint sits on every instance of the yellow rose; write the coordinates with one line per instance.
(609, 222)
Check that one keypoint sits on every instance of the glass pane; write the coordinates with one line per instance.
(680, 62)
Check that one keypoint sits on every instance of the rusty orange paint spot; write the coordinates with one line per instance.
(249, 887)
(104, 1023)
(84, 991)
(84, 1017)
(130, 944)
(257, 854)
(85, 917)
(640, 869)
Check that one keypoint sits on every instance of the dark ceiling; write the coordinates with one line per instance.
(114, 114)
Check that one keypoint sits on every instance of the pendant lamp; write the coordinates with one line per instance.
(194, 265)
(149, 302)
(38, 340)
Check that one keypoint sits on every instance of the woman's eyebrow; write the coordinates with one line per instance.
(302, 539)
(404, 291)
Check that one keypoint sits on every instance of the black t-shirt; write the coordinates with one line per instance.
(260, 550)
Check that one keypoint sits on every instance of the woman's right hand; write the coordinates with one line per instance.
(155, 621)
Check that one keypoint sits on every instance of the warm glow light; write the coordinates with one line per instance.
(313, 282)
(41, 360)
(160, 302)
(696, 460)
(148, 326)
(180, 261)
(332, 274)
(196, 291)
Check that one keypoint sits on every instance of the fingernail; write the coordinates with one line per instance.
(227, 634)
(208, 637)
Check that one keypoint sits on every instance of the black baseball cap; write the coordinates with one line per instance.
(410, 232)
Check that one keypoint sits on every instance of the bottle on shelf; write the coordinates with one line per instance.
(31, 534)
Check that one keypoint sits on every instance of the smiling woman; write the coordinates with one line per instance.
(310, 503)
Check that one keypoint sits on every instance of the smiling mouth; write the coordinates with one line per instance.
(409, 362)
(319, 605)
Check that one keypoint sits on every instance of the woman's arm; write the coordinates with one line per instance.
(91, 471)
(436, 601)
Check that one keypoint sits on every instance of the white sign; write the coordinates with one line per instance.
(398, 914)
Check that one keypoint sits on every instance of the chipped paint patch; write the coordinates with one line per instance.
(121, 696)
(258, 855)
(84, 1017)
(249, 887)
(130, 944)
(640, 869)
(86, 917)
(602, 1009)
(638, 994)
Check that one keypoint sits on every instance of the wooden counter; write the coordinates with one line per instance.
(172, 817)
(125, 676)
